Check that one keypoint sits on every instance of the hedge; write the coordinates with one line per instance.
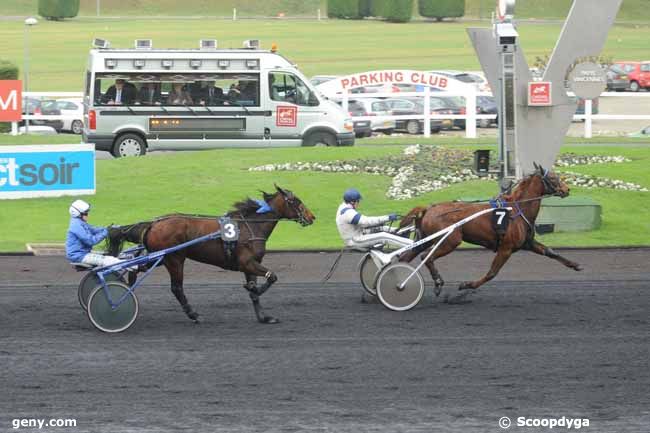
(58, 9)
(365, 8)
(8, 71)
(398, 11)
(343, 8)
(440, 9)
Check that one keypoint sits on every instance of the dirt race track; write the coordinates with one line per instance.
(541, 341)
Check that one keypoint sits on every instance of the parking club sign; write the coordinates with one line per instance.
(47, 171)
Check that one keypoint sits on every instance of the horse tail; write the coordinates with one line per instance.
(134, 233)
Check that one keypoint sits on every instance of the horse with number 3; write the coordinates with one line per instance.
(251, 224)
(517, 229)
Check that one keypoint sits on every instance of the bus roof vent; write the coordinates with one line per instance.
(208, 44)
(101, 43)
(143, 44)
(252, 44)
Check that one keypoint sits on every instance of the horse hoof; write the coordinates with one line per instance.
(437, 290)
(268, 320)
(464, 286)
(577, 268)
(194, 316)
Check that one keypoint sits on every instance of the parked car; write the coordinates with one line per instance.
(638, 73)
(320, 79)
(362, 128)
(617, 78)
(47, 107)
(449, 105)
(373, 107)
(72, 107)
(644, 133)
(404, 107)
(486, 105)
(476, 78)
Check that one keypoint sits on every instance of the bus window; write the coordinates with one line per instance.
(286, 87)
(221, 89)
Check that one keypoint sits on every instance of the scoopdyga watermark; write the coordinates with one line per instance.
(550, 423)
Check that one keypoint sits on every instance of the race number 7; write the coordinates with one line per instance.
(500, 214)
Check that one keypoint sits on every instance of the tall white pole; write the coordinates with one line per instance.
(26, 73)
(28, 23)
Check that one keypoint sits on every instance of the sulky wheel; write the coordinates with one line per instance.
(368, 272)
(88, 284)
(393, 296)
(109, 319)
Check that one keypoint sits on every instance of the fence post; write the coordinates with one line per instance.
(14, 128)
(234, 14)
(588, 124)
(318, 14)
(470, 113)
(426, 123)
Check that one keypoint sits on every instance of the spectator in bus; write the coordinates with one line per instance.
(209, 94)
(121, 93)
(149, 94)
(234, 94)
(248, 92)
(179, 96)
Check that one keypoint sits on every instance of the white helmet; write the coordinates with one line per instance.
(78, 208)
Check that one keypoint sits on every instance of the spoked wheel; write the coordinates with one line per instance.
(88, 284)
(390, 292)
(368, 272)
(109, 319)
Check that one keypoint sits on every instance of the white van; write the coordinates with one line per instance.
(146, 99)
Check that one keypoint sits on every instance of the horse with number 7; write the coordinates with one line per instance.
(250, 224)
(499, 231)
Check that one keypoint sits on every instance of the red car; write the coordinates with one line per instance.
(637, 73)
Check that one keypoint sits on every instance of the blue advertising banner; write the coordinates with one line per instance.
(47, 171)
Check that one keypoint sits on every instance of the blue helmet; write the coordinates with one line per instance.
(351, 195)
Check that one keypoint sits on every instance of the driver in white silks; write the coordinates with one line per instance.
(354, 228)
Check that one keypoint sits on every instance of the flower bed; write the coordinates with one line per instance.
(424, 168)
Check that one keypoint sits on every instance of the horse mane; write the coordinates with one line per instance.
(413, 216)
(522, 185)
(248, 205)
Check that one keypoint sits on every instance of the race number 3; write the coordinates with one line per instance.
(229, 230)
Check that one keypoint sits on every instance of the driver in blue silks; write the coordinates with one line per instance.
(353, 226)
(82, 237)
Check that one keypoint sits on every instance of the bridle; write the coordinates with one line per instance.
(290, 201)
(549, 187)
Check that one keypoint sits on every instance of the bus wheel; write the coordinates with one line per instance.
(319, 138)
(129, 145)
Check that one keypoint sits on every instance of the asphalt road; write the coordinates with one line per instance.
(540, 341)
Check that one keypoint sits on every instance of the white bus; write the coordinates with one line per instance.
(188, 99)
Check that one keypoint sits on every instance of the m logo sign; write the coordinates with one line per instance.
(11, 101)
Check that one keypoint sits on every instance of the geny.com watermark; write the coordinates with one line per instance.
(39, 423)
(550, 423)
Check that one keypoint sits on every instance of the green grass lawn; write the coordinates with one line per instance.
(635, 10)
(59, 50)
(136, 189)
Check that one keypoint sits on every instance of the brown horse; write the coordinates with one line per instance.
(244, 256)
(525, 199)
